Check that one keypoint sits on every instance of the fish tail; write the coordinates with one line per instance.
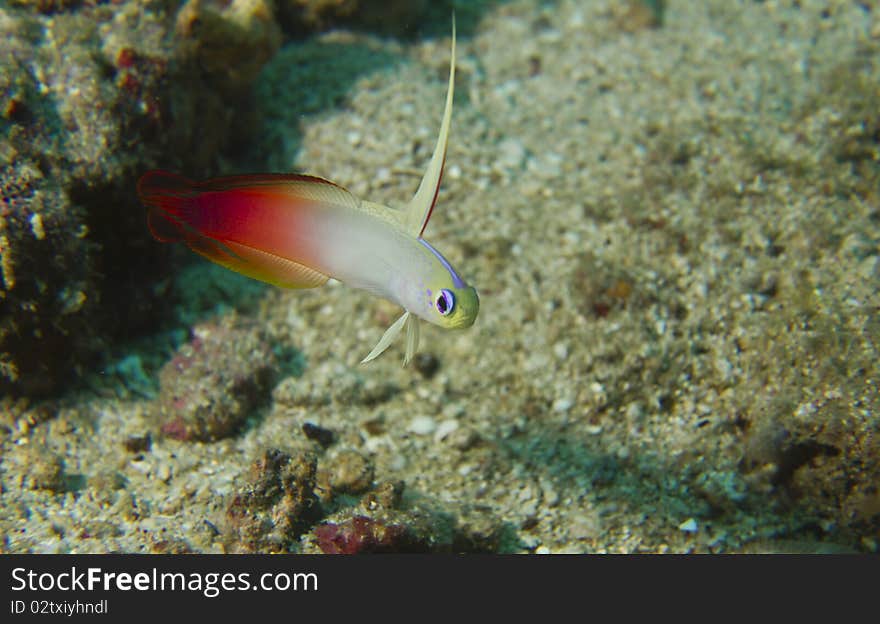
(169, 198)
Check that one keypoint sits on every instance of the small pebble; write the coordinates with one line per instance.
(427, 364)
(464, 439)
(351, 473)
(164, 472)
(688, 526)
(45, 471)
(422, 425)
(138, 444)
(354, 138)
(383, 175)
(562, 405)
(511, 154)
(560, 350)
(324, 437)
(444, 429)
(386, 495)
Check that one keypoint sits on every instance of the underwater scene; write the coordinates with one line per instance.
(510, 276)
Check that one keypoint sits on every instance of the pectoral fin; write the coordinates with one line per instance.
(412, 338)
(408, 321)
(387, 338)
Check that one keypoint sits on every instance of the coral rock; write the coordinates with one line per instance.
(214, 383)
(276, 505)
(230, 40)
(350, 473)
(88, 99)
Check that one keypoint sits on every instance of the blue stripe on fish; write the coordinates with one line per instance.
(456, 278)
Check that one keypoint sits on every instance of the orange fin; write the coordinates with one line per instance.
(166, 191)
(260, 265)
(167, 197)
(164, 227)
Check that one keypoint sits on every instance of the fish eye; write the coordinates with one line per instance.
(445, 302)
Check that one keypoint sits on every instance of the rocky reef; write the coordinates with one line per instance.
(90, 98)
(92, 95)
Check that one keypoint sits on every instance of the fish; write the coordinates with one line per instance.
(298, 231)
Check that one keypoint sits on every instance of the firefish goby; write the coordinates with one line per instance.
(297, 231)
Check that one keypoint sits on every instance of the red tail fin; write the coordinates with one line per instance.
(167, 195)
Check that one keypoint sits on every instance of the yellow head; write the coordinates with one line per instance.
(441, 297)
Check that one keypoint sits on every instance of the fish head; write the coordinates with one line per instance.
(456, 308)
(438, 294)
(444, 304)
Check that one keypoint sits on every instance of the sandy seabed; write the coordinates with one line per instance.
(674, 231)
